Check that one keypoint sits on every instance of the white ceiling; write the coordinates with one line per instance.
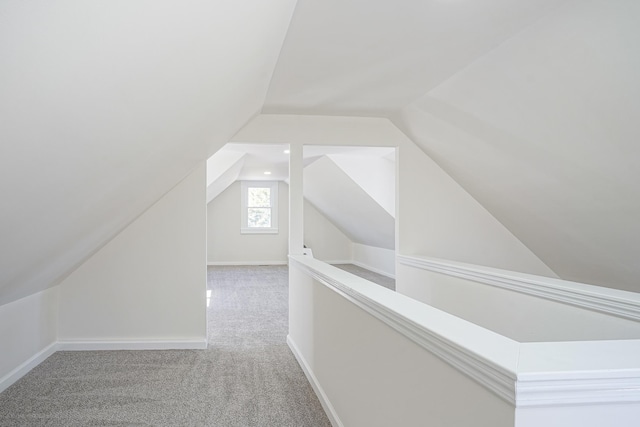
(105, 106)
(261, 158)
(544, 131)
(372, 57)
(531, 105)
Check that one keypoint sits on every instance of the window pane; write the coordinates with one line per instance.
(259, 217)
(259, 197)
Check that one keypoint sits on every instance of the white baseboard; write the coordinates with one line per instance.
(337, 261)
(28, 365)
(247, 263)
(374, 269)
(322, 397)
(132, 345)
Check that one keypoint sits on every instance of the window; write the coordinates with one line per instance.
(259, 207)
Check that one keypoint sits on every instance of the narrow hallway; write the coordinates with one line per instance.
(247, 376)
(248, 324)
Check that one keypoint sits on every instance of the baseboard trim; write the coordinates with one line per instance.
(317, 388)
(337, 261)
(220, 263)
(25, 367)
(375, 270)
(132, 345)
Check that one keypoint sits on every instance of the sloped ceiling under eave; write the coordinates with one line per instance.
(342, 201)
(372, 57)
(544, 132)
(105, 106)
(532, 106)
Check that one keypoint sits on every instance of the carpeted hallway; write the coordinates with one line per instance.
(247, 377)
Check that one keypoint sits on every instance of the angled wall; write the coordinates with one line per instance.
(543, 131)
(28, 334)
(147, 284)
(347, 204)
(435, 216)
(106, 106)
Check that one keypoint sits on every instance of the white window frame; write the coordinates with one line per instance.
(273, 186)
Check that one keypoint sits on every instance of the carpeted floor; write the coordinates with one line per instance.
(247, 377)
(379, 279)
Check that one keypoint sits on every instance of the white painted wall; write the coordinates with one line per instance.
(348, 205)
(521, 317)
(225, 244)
(107, 106)
(149, 282)
(320, 130)
(438, 218)
(542, 131)
(435, 216)
(369, 375)
(28, 332)
(376, 175)
(328, 243)
(379, 260)
(223, 169)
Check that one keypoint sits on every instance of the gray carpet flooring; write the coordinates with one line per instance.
(379, 279)
(247, 377)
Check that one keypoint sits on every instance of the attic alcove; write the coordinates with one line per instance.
(349, 204)
(354, 187)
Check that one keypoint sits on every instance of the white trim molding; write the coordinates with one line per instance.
(496, 377)
(273, 207)
(25, 367)
(42, 355)
(605, 300)
(374, 269)
(132, 345)
(568, 389)
(322, 396)
(218, 263)
(541, 374)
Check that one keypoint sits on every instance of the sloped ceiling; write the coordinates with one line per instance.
(375, 174)
(371, 58)
(347, 205)
(105, 106)
(544, 132)
(532, 106)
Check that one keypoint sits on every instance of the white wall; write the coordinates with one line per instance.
(348, 205)
(225, 244)
(149, 282)
(438, 218)
(328, 243)
(521, 317)
(542, 131)
(376, 175)
(371, 375)
(144, 83)
(435, 217)
(28, 332)
(379, 260)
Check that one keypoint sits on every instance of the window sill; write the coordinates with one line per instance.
(258, 231)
